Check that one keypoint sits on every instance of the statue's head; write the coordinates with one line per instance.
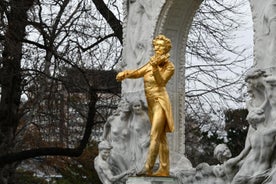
(124, 105)
(253, 81)
(104, 149)
(222, 153)
(137, 106)
(162, 44)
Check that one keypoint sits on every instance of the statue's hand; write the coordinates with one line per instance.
(157, 59)
(153, 61)
(121, 76)
(162, 58)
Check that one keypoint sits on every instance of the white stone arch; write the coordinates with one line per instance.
(173, 18)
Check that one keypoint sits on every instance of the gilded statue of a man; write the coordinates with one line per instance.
(156, 74)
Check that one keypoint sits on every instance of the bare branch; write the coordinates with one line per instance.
(72, 152)
(114, 23)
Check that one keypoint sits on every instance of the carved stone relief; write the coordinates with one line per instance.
(126, 130)
(264, 18)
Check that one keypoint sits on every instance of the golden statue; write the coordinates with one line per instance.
(156, 73)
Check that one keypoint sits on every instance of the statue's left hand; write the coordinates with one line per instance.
(153, 61)
(156, 60)
(120, 76)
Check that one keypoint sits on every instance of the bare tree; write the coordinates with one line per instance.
(216, 65)
(40, 42)
(14, 13)
(215, 68)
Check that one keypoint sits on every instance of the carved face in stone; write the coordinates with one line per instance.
(254, 82)
(105, 149)
(105, 154)
(137, 107)
(124, 106)
(250, 86)
(226, 153)
(222, 152)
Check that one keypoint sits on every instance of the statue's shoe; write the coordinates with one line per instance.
(144, 172)
(161, 172)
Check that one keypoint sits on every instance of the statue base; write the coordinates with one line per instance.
(152, 180)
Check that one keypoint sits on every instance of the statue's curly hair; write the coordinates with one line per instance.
(166, 40)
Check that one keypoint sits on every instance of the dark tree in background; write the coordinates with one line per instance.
(40, 42)
(236, 127)
(200, 142)
(10, 76)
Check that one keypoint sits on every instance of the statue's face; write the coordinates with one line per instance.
(124, 106)
(105, 154)
(226, 152)
(249, 85)
(137, 107)
(159, 47)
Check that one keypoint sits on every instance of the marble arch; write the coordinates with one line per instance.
(147, 18)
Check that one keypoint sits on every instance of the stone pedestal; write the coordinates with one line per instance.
(152, 180)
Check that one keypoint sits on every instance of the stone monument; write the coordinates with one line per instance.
(144, 19)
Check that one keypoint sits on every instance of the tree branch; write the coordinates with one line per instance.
(94, 44)
(56, 151)
(111, 19)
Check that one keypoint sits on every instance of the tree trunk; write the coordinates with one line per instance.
(11, 79)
